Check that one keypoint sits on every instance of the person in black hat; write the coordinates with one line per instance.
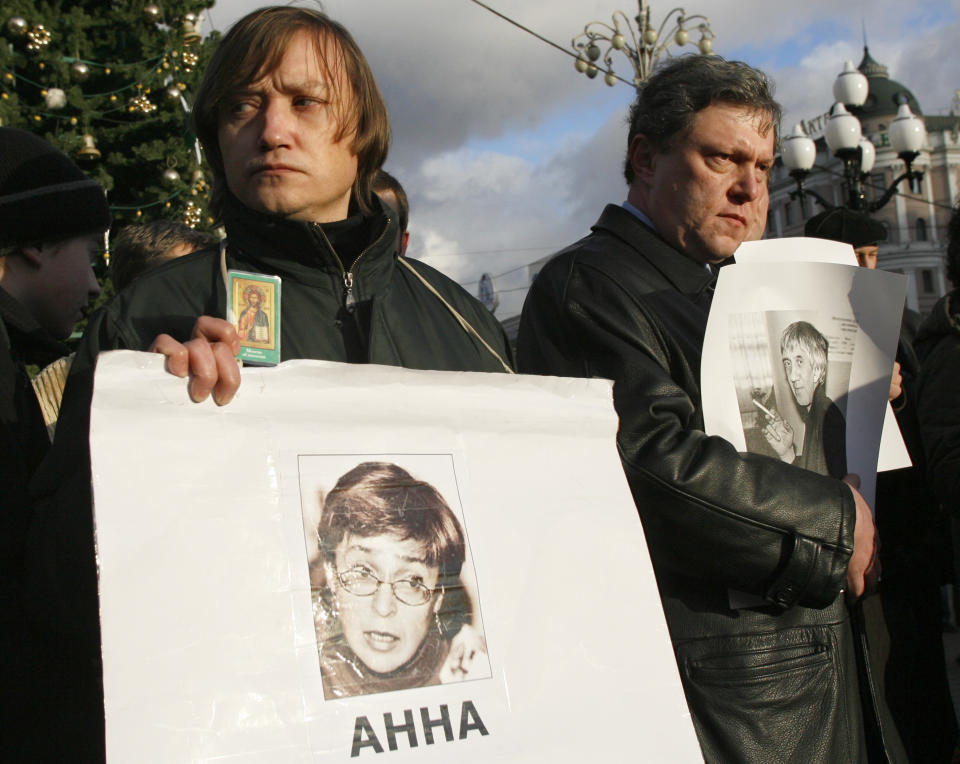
(52, 219)
(915, 532)
(860, 231)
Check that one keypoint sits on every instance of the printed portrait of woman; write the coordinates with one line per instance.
(392, 612)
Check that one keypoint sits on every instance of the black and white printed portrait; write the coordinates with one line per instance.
(791, 385)
(395, 600)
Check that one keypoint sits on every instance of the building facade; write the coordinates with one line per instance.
(915, 218)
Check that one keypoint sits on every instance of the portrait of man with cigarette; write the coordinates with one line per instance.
(803, 351)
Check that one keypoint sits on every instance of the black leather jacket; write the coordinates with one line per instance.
(774, 682)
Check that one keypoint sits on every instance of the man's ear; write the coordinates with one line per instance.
(33, 254)
(643, 157)
(404, 241)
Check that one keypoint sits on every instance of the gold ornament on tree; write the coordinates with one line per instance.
(198, 183)
(39, 38)
(190, 33)
(171, 177)
(17, 26)
(190, 60)
(192, 215)
(88, 151)
(79, 70)
(140, 103)
(152, 12)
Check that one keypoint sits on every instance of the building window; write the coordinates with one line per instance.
(921, 229)
(926, 281)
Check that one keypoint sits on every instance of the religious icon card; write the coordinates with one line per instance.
(255, 312)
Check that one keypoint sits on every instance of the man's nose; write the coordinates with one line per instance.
(384, 601)
(276, 127)
(93, 286)
(746, 187)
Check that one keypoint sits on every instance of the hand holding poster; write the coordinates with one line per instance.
(362, 562)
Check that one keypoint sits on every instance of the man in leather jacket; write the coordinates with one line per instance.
(755, 558)
(295, 129)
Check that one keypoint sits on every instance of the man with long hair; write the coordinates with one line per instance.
(295, 129)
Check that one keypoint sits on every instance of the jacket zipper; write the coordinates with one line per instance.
(349, 298)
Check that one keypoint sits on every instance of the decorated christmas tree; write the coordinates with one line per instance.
(110, 84)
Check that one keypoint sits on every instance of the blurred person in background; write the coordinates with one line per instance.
(140, 247)
(916, 554)
(52, 224)
(390, 191)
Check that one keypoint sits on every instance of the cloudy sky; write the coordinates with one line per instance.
(507, 153)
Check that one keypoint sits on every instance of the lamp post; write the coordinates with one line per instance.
(844, 136)
(643, 47)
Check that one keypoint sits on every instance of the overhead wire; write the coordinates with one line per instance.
(568, 52)
(544, 39)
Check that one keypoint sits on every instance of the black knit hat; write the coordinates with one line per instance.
(841, 224)
(44, 196)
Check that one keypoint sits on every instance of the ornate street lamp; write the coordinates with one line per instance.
(845, 140)
(643, 49)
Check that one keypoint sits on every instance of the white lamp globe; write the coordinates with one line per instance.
(868, 155)
(799, 151)
(907, 132)
(843, 129)
(851, 86)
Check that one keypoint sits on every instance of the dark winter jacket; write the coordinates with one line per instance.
(938, 397)
(917, 556)
(824, 437)
(24, 666)
(392, 319)
(773, 682)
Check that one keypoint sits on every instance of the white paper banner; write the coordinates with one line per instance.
(209, 527)
(763, 384)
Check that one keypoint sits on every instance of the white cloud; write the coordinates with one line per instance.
(464, 174)
(507, 153)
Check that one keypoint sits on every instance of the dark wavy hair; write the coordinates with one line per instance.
(254, 47)
(380, 498)
(384, 181)
(667, 102)
(141, 246)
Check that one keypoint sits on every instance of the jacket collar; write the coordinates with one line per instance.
(683, 272)
(304, 250)
(28, 340)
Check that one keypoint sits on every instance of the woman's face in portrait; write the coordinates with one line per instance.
(384, 632)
